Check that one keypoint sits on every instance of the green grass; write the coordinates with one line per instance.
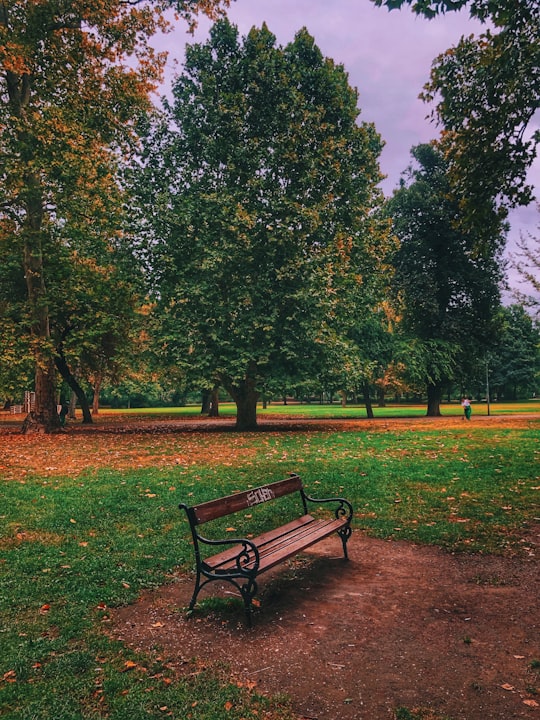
(332, 411)
(335, 410)
(73, 548)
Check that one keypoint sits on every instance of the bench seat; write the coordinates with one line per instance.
(276, 545)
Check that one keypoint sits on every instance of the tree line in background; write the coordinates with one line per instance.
(236, 239)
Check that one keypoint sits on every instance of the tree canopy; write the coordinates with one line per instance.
(447, 289)
(486, 92)
(74, 78)
(262, 195)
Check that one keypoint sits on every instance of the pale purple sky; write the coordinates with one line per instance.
(388, 56)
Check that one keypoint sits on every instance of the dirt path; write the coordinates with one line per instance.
(399, 625)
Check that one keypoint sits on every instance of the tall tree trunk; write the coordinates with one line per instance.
(72, 406)
(343, 394)
(71, 380)
(245, 396)
(367, 400)
(98, 381)
(214, 403)
(206, 402)
(45, 417)
(434, 397)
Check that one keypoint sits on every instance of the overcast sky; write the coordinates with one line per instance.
(387, 55)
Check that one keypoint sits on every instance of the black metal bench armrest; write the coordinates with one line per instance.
(248, 552)
(344, 507)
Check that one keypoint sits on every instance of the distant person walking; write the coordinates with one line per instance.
(467, 408)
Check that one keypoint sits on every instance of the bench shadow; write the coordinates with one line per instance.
(282, 591)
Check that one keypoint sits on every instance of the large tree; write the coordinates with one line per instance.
(261, 197)
(73, 78)
(487, 91)
(446, 282)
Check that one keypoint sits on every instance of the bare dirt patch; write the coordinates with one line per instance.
(398, 625)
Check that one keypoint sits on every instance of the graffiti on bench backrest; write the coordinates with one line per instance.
(259, 495)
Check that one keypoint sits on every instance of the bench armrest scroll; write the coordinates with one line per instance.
(343, 508)
(247, 553)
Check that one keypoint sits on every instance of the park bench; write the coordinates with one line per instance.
(241, 560)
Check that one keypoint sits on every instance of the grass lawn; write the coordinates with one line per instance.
(74, 544)
(335, 410)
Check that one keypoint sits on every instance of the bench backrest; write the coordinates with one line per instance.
(243, 500)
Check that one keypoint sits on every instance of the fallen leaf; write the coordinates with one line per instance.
(506, 686)
(230, 529)
(129, 665)
(228, 705)
(44, 608)
(157, 625)
(530, 703)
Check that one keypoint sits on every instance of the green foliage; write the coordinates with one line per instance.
(73, 81)
(514, 362)
(446, 281)
(263, 193)
(500, 13)
(487, 90)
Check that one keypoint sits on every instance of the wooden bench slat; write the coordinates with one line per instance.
(221, 507)
(317, 531)
(223, 557)
(279, 544)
